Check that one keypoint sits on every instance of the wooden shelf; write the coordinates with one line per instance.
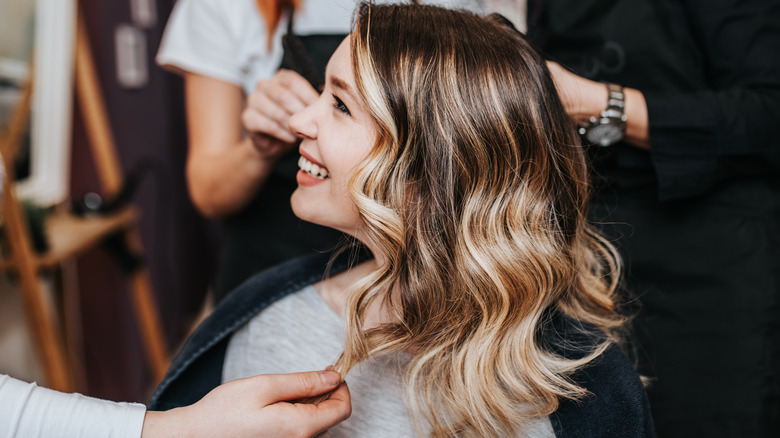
(68, 235)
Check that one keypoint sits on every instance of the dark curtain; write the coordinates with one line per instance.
(149, 129)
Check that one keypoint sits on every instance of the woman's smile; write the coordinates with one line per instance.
(311, 172)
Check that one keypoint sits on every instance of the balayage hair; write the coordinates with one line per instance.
(475, 197)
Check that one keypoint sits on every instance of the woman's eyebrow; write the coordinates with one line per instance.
(344, 86)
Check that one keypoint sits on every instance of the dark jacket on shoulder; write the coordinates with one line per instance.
(616, 407)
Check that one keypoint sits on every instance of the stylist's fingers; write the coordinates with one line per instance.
(563, 79)
(338, 407)
(287, 91)
(298, 85)
(258, 124)
(581, 97)
(268, 110)
(262, 105)
(281, 387)
(264, 116)
(321, 417)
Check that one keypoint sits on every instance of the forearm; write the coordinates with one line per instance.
(637, 124)
(164, 424)
(31, 411)
(588, 98)
(223, 181)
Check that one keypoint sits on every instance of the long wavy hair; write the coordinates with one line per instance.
(475, 196)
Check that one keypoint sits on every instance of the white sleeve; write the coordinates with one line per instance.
(204, 37)
(29, 411)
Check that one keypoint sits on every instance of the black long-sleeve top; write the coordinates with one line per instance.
(709, 71)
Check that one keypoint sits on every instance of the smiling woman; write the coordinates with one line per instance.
(337, 134)
(487, 303)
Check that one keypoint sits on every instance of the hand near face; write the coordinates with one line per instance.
(269, 108)
(254, 407)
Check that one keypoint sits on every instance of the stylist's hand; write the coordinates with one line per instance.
(582, 98)
(254, 407)
(269, 108)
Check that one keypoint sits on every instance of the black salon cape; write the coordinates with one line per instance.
(698, 218)
(616, 407)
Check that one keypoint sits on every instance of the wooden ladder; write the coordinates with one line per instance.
(69, 235)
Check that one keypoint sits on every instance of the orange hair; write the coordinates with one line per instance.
(271, 10)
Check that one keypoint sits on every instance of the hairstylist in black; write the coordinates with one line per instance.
(691, 194)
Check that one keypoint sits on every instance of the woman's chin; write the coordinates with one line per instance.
(306, 209)
(314, 207)
(299, 206)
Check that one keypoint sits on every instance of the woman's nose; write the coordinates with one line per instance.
(303, 124)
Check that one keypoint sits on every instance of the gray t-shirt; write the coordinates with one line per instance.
(301, 333)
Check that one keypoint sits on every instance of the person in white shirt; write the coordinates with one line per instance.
(251, 407)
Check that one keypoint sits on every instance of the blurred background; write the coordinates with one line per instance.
(64, 119)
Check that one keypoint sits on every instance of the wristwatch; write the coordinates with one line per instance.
(610, 126)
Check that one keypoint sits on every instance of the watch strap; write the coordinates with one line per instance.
(609, 126)
(616, 102)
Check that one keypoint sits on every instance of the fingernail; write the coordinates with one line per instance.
(330, 378)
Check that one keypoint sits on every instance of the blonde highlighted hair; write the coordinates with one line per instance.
(475, 194)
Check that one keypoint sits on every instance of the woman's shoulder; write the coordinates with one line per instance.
(616, 404)
(197, 368)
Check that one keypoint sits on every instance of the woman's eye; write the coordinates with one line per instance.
(339, 105)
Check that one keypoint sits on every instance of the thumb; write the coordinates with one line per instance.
(283, 387)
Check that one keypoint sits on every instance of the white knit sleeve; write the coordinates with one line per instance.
(29, 411)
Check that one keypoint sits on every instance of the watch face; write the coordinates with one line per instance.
(604, 135)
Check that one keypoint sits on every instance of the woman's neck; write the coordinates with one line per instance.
(334, 290)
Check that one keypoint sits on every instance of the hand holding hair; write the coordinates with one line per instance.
(255, 407)
(269, 108)
(583, 98)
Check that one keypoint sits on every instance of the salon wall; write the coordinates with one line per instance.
(148, 126)
(16, 28)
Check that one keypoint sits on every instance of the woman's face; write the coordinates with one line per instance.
(337, 133)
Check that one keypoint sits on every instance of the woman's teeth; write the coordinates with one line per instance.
(312, 169)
